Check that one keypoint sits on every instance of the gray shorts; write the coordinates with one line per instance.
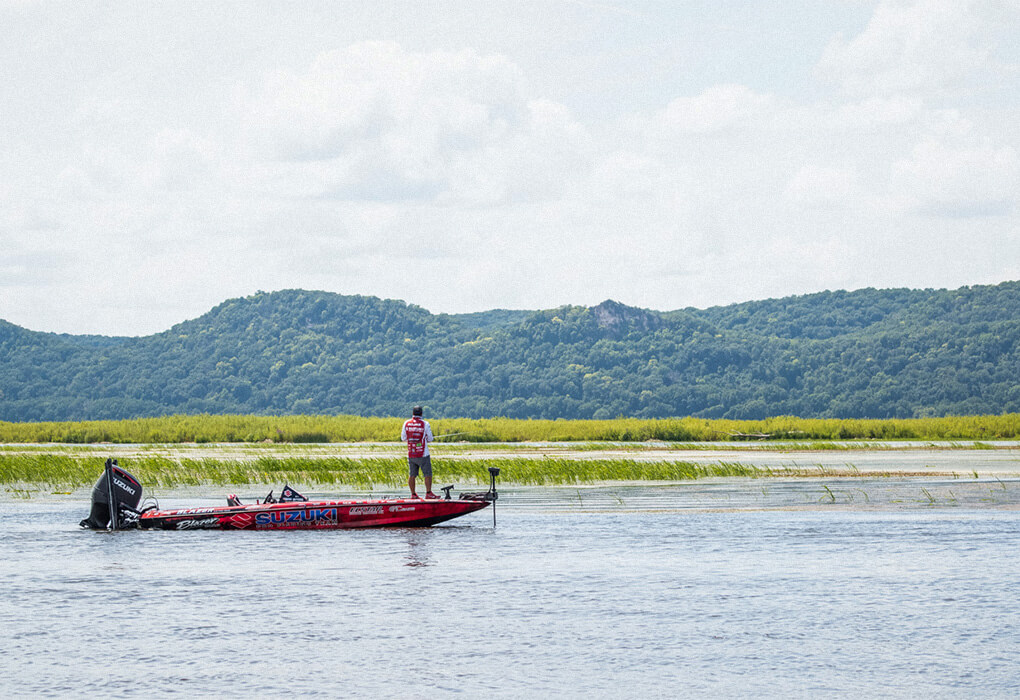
(423, 463)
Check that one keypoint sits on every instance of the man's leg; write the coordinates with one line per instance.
(426, 470)
(412, 472)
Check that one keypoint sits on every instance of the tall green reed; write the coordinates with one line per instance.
(153, 471)
(338, 429)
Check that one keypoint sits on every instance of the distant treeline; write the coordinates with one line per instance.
(345, 429)
(893, 353)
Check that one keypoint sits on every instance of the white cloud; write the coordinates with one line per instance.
(873, 113)
(823, 187)
(167, 161)
(718, 109)
(958, 181)
(916, 47)
(376, 122)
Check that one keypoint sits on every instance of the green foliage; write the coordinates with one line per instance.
(162, 472)
(864, 354)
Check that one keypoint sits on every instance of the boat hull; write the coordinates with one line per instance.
(312, 515)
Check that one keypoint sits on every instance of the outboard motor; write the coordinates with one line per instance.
(115, 499)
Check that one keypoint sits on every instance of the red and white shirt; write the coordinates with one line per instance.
(417, 433)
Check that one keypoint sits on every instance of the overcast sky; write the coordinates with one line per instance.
(157, 158)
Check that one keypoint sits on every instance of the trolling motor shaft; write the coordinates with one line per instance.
(492, 495)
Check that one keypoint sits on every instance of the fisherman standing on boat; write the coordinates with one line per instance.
(417, 433)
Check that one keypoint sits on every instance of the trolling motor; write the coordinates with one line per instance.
(115, 499)
(490, 495)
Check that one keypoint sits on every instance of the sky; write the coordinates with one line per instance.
(158, 158)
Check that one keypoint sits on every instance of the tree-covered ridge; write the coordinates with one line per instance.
(869, 353)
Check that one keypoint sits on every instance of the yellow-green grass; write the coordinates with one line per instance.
(345, 429)
(57, 470)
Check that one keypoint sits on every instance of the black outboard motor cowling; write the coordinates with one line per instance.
(115, 499)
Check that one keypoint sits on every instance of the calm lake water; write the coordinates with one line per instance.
(723, 588)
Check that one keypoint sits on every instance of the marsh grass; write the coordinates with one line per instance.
(334, 429)
(165, 472)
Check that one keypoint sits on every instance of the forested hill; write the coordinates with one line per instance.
(868, 353)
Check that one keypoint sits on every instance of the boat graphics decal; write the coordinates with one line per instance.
(199, 524)
(366, 510)
(308, 517)
(241, 520)
(123, 485)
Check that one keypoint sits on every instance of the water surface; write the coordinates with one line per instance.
(710, 588)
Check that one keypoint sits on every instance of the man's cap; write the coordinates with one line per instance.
(416, 411)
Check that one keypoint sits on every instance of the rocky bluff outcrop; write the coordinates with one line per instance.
(620, 319)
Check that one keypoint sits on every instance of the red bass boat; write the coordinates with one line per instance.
(117, 494)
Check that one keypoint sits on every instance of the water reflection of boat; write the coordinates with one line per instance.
(117, 495)
(419, 551)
